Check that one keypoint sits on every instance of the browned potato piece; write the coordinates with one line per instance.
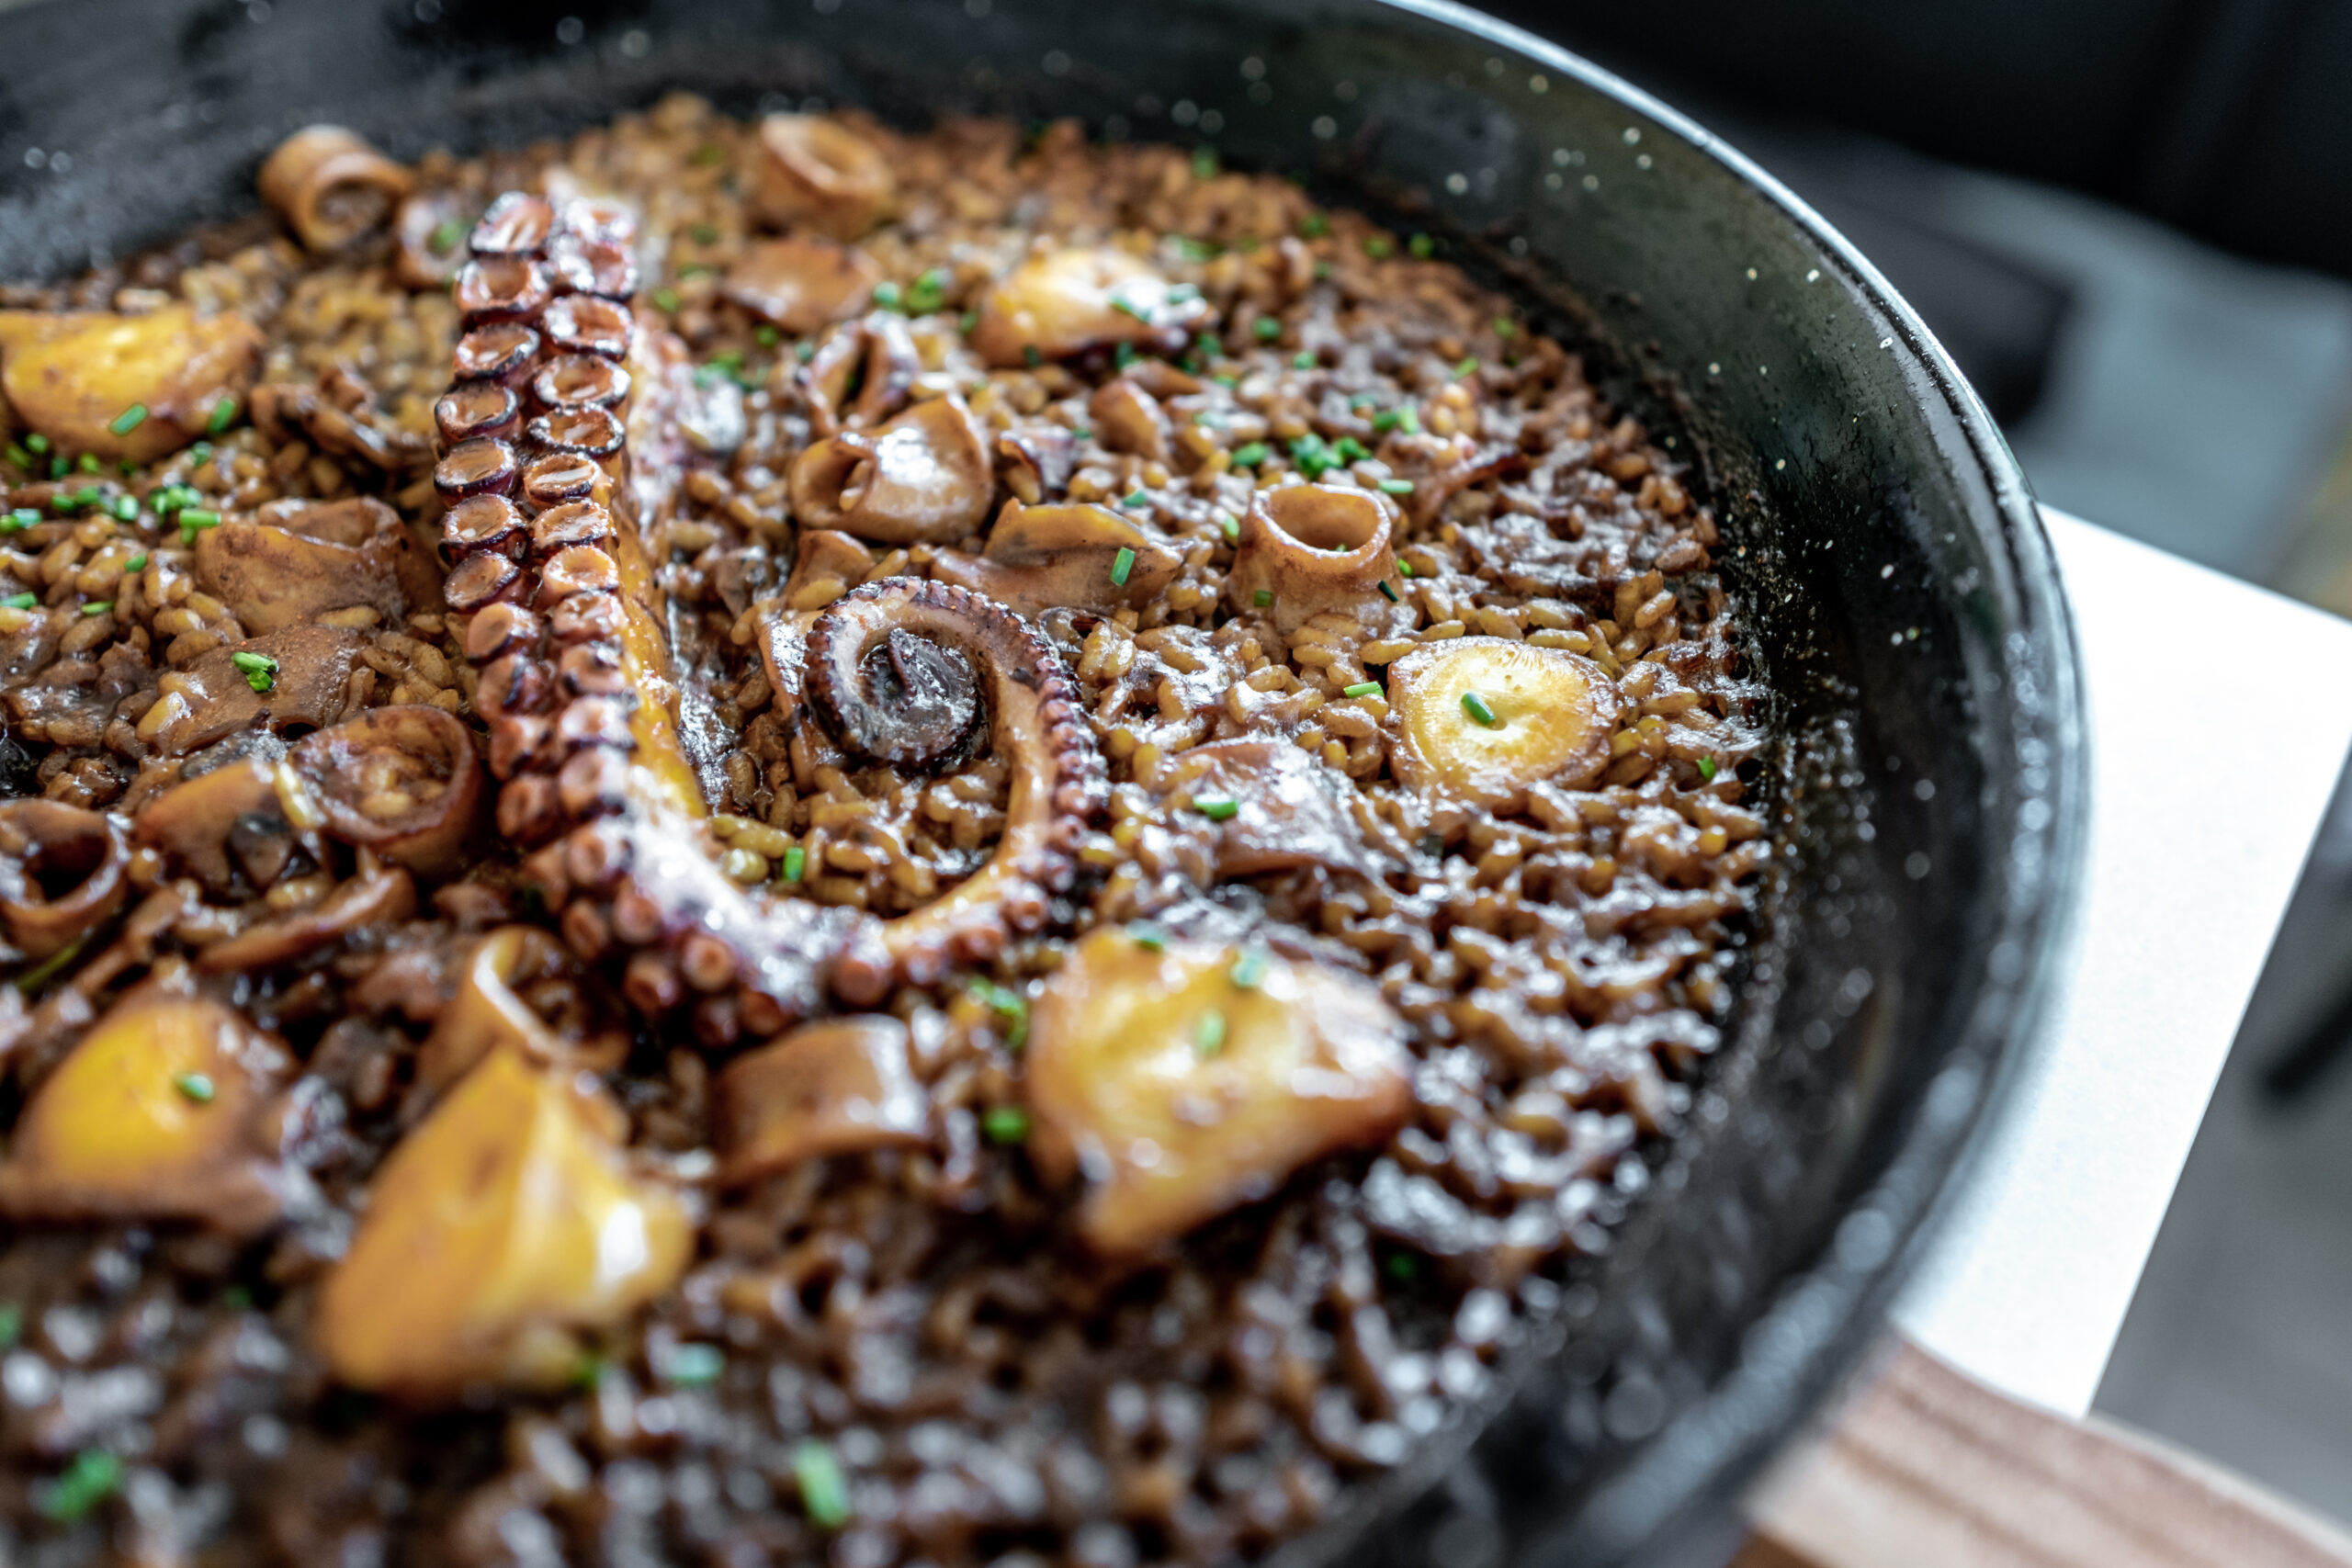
(802, 284)
(155, 1115)
(502, 1228)
(841, 1087)
(274, 576)
(1193, 1080)
(1070, 301)
(134, 387)
(1480, 719)
(816, 174)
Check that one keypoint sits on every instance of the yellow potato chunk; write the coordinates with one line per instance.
(153, 1115)
(1480, 719)
(1188, 1080)
(134, 387)
(499, 1230)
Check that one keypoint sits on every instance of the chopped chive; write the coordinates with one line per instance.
(1303, 360)
(1707, 769)
(136, 563)
(824, 1490)
(125, 509)
(1228, 524)
(1379, 247)
(1122, 564)
(193, 1086)
(225, 414)
(1250, 455)
(1314, 459)
(88, 463)
(710, 152)
(259, 670)
(1249, 970)
(929, 293)
(1314, 226)
(194, 519)
(1348, 449)
(704, 234)
(1469, 366)
(1263, 597)
(1123, 356)
(19, 602)
(1387, 420)
(766, 336)
(1422, 247)
(61, 501)
(36, 442)
(1136, 498)
(1404, 1267)
(129, 419)
(1204, 164)
(665, 298)
(12, 1325)
(92, 1477)
(1148, 936)
(19, 457)
(588, 1372)
(1403, 567)
(795, 860)
(1362, 689)
(693, 1366)
(1505, 327)
(1031, 356)
(1194, 250)
(58, 468)
(1266, 328)
(1216, 808)
(1387, 590)
(1126, 307)
(1395, 486)
(19, 520)
(445, 236)
(1008, 1004)
(1004, 1124)
(1208, 1035)
(127, 467)
(1475, 707)
(968, 322)
(886, 294)
(1080, 433)
(40, 974)
(97, 606)
(236, 1298)
(729, 359)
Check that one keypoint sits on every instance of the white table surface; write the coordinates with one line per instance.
(2210, 770)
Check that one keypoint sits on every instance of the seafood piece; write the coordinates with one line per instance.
(331, 186)
(134, 387)
(841, 1087)
(1480, 719)
(1308, 548)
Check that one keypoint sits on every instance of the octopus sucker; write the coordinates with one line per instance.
(558, 451)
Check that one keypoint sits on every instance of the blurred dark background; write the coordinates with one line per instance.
(2130, 222)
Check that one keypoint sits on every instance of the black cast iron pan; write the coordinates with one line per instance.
(1901, 597)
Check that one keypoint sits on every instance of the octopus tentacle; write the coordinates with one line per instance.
(553, 458)
(882, 670)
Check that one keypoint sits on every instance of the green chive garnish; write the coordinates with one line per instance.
(1469, 366)
(40, 974)
(1147, 936)
(1505, 327)
(1216, 808)
(136, 563)
(1267, 328)
(1032, 356)
(969, 321)
(1204, 165)
(1250, 456)
(710, 152)
(12, 1325)
(1136, 498)
(886, 295)
(126, 510)
(1122, 564)
(824, 1490)
(445, 236)
(1007, 1004)
(1387, 590)
(1395, 486)
(665, 298)
(693, 1366)
(259, 670)
(1263, 597)
(36, 442)
(225, 414)
(19, 457)
(929, 293)
(1707, 769)
(129, 419)
(19, 520)
(795, 860)
(1208, 1035)
(1362, 689)
(193, 1086)
(93, 1476)
(20, 601)
(1004, 1124)
(1348, 449)
(1303, 360)
(766, 336)
(97, 606)
(1314, 226)
(1123, 356)
(1403, 567)
(1249, 970)
(1422, 247)
(804, 352)
(89, 464)
(1475, 707)
(1379, 247)
(193, 519)
(1230, 527)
